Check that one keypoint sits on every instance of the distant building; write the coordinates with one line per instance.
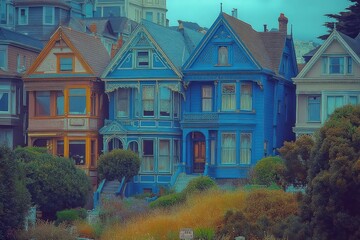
(17, 53)
(329, 80)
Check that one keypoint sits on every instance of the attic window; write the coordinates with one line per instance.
(66, 64)
(142, 59)
(223, 56)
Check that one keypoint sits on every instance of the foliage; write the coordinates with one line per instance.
(168, 200)
(199, 184)
(70, 215)
(266, 170)
(55, 183)
(14, 197)
(117, 164)
(85, 230)
(296, 156)
(331, 204)
(27, 154)
(290, 228)
(47, 230)
(204, 234)
(347, 22)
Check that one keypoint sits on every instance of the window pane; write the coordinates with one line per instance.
(3, 58)
(77, 151)
(148, 100)
(93, 153)
(143, 59)
(115, 144)
(4, 101)
(60, 148)
(228, 153)
(113, 11)
(59, 103)
(353, 100)
(228, 97)
(164, 156)
(223, 57)
(334, 102)
(314, 109)
(42, 107)
(207, 98)
(176, 104)
(66, 64)
(133, 146)
(165, 102)
(48, 15)
(245, 148)
(349, 65)
(77, 101)
(336, 65)
(122, 103)
(246, 97)
(149, 16)
(147, 164)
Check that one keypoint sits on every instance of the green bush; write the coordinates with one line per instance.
(70, 215)
(168, 200)
(46, 231)
(204, 234)
(265, 171)
(199, 184)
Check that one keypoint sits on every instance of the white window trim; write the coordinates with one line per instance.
(27, 16)
(221, 147)
(345, 66)
(251, 144)
(52, 15)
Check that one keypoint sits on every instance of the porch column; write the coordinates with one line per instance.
(207, 154)
(184, 157)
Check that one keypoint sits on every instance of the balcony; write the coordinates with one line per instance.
(64, 124)
(200, 118)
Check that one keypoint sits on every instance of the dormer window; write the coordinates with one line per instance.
(336, 65)
(142, 59)
(223, 56)
(65, 63)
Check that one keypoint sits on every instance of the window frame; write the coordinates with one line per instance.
(26, 10)
(52, 9)
(312, 104)
(145, 99)
(243, 95)
(248, 162)
(150, 156)
(168, 100)
(205, 99)
(6, 90)
(4, 51)
(232, 148)
(77, 95)
(142, 59)
(232, 95)
(168, 170)
(65, 56)
(226, 55)
(345, 68)
(125, 99)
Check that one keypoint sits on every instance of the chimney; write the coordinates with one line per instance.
(265, 28)
(283, 23)
(234, 13)
(93, 28)
(181, 27)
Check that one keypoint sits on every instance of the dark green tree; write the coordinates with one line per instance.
(331, 204)
(14, 197)
(296, 155)
(266, 170)
(347, 22)
(54, 183)
(117, 164)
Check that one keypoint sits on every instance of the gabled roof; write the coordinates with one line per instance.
(21, 39)
(89, 48)
(41, 2)
(350, 44)
(266, 47)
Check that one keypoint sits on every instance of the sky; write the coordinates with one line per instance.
(305, 16)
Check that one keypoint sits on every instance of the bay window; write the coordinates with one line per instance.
(122, 103)
(164, 156)
(147, 164)
(228, 102)
(77, 151)
(148, 95)
(165, 102)
(246, 97)
(228, 148)
(42, 103)
(77, 101)
(245, 148)
(206, 95)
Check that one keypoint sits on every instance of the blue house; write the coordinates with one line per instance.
(144, 86)
(239, 101)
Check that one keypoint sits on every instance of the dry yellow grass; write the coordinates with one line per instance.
(205, 210)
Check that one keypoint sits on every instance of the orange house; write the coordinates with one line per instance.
(66, 97)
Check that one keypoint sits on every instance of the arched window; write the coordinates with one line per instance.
(134, 146)
(115, 143)
(223, 56)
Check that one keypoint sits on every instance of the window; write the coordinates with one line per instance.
(3, 58)
(42, 103)
(148, 94)
(77, 101)
(66, 64)
(228, 146)
(245, 148)
(115, 143)
(60, 148)
(353, 100)
(223, 56)
(122, 103)
(142, 59)
(77, 151)
(176, 154)
(334, 102)
(246, 97)
(165, 102)
(147, 164)
(158, 18)
(4, 99)
(314, 109)
(149, 16)
(23, 16)
(93, 150)
(133, 146)
(59, 103)
(206, 94)
(336, 65)
(113, 11)
(48, 15)
(176, 108)
(164, 156)
(228, 97)
(6, 137)
(3, 13)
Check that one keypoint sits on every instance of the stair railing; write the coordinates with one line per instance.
(97, 193)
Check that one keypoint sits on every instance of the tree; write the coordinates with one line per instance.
(117, 164)
(331, 204)
(55, 183)
(14, 197)
(266, 170)
(296, 156)
(347, 22)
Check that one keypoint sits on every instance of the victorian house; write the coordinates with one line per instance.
(240, 100)
(329, 80)
(144, 85)
(17, 52)
(66, 97)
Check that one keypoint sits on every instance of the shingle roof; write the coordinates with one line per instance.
(41, 2)
(90, 47)
(15, 37)
(353, 43)
(265, 47)
(177, 45)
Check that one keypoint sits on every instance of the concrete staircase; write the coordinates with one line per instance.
(182, 181)
(110, 187)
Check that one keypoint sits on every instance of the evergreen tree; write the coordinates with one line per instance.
(347, 22)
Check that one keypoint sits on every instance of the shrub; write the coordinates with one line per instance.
(168, 200)
(85, 229)
(70, 215)
(46, 231)
(265, 171)
(199, 184)
(204, 234)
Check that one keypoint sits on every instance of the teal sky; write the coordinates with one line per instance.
(306, 16)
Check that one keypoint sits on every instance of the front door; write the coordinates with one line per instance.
(199, 156)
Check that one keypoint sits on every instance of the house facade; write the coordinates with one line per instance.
(67, 105)
(239, 99)
(329, 80)
(17, 52)
(144, 85)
